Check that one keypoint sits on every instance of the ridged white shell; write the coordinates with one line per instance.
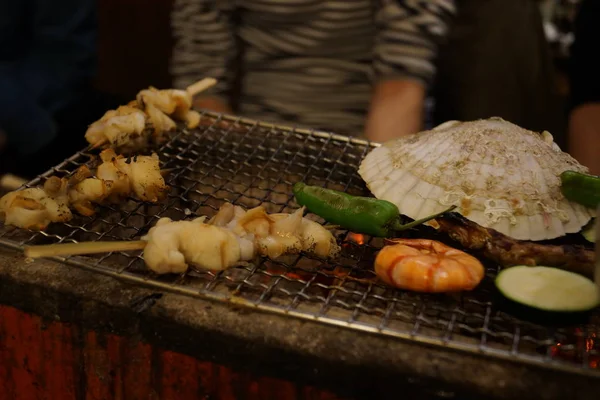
(500, 176)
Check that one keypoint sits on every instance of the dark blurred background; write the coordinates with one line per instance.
(135, 43)
(134, 47)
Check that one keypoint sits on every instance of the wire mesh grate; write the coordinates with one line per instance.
(250, 163)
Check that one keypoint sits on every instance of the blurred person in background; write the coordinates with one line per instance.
(584, 118)
(47, 60)
(367, 66)
(359, 67)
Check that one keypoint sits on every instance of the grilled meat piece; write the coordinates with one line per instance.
(509, 252)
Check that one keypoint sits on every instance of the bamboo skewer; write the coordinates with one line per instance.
(11, 182)
(72, 249)
(98, 144)
(166, 171)
(201, 86)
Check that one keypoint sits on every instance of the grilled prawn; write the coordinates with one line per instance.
(424, 265)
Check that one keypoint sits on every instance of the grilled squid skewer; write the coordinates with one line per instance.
(35, 208)
(174, 245)
(148, 118)
(122, 127)
(234, 235)
(277, 234)
(116, 178)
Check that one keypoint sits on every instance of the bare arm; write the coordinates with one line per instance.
(584, 135)
(396, 109)
(405, 51)
(584, 118)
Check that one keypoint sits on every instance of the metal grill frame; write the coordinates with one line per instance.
(467, 322)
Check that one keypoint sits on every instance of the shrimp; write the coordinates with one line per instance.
(424, 265)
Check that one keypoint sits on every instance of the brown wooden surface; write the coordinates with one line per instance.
(61, 361)
(257, 345)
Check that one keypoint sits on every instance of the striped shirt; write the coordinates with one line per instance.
(309, 62)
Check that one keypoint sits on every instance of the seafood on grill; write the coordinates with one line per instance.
(139, 175)
(508, 252)
(171, 246)
(158, 104)
(504, 180)
(147, 119)
(279, 233)
(231, 237)
(35, 208)
(425, 265)
(116, 178)
(123, 127)
(499, 175)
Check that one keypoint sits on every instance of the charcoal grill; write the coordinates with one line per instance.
(251, 163)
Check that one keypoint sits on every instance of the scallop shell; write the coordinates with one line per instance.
(500, 176)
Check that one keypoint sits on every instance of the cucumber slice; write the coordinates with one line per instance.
(548, 289)
(589, 231)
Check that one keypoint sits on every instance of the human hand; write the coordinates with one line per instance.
(396, 110)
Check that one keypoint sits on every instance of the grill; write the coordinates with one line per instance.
(250, 163)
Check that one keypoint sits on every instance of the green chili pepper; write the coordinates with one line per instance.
(366, 215)
(581, 188)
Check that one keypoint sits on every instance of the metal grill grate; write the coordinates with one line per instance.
(250, 163)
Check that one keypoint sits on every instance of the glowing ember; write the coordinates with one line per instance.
(574, 350)
(356, 238)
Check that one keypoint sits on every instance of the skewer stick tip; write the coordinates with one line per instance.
(201, 86)
(11, 182)
(166, 171)
(99, 144)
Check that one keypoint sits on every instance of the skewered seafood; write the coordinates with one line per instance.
(499, 175)
(173, 245)
(35, 208)
(146, 119)
(124, 126)
(116, 178)
(86, 191)
(427, 266)
(139, 175)
(232, 236)
(173, 102)
(277, 234)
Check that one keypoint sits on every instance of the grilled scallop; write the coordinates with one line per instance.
(499, 175)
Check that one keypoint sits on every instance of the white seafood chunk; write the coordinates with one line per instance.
(173, 245)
